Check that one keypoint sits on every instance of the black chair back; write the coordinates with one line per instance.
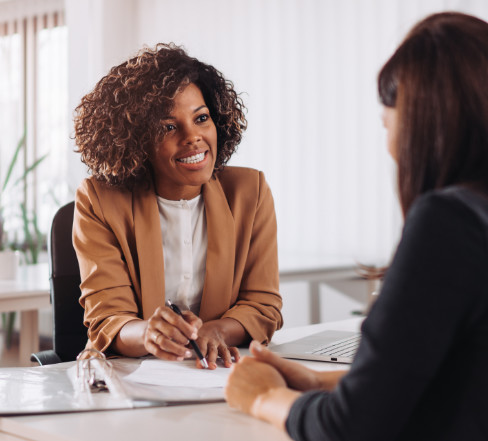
(69, 333)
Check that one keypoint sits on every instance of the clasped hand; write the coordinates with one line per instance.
(167, 337)
(266, 385)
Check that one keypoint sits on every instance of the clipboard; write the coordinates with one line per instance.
(92, 383)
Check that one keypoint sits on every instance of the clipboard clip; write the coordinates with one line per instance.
(88, 374)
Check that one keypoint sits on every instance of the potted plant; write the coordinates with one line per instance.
(9, 249)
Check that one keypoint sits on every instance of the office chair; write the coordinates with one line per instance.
(69, 332)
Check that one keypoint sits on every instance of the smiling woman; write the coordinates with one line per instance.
(156, 133)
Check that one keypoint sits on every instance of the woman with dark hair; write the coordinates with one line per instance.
(162, 217)
(420, 370)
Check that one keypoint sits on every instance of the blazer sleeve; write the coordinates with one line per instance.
(258, 305)
(108, 295)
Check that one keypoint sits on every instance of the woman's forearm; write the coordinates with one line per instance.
(328, 380)
(274, 406)
(235, 333)
(130, 339)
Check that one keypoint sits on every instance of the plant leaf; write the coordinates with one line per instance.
(14, 159)
(28, 239)
(30, 168)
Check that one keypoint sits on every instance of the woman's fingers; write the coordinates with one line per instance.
(179, 325)
(227, 353)
(213, 350)
(262, 353)
(168, 334)
(212, 354)
(154, 338)
(297, 376)
(192, 319)
(165, 349)
(235, 353)
(226, 356)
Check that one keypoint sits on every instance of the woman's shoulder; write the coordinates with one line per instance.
(241, 179)
(232, 174)
(452, 214)
(453, 204)
(243, 184)
(103, 197)
(92, 187)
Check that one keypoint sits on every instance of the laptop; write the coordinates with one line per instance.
(334, 346)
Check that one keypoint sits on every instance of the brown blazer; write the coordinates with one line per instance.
(118, 241)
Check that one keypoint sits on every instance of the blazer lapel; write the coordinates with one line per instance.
(217, 289)
(149, 251)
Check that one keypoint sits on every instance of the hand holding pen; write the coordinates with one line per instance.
(168, 333)
(168, 336)
(193, 344)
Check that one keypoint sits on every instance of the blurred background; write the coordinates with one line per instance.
(306, 70)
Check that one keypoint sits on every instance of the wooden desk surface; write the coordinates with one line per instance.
(28, 293)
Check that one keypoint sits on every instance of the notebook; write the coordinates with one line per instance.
(334, 346)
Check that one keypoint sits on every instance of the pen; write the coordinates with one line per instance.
(194, 345)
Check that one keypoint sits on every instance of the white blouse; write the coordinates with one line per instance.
(184, 230)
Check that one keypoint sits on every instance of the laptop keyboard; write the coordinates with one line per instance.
(342, 348)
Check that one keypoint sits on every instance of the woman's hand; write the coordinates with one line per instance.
(248, 380)
(167, 334)
(297, 376)
(215, 339)
(262, 386)
(259, 389)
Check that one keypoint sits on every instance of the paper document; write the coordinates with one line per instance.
(178, 374)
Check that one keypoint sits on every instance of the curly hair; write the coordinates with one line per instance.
(118, 123)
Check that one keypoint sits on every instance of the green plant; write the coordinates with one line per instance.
(33, 238)
(9, 185)
(8, 320)
(34, 241)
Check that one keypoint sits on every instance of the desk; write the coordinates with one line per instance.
(215, 421)
(316, 270)
(28, 293)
